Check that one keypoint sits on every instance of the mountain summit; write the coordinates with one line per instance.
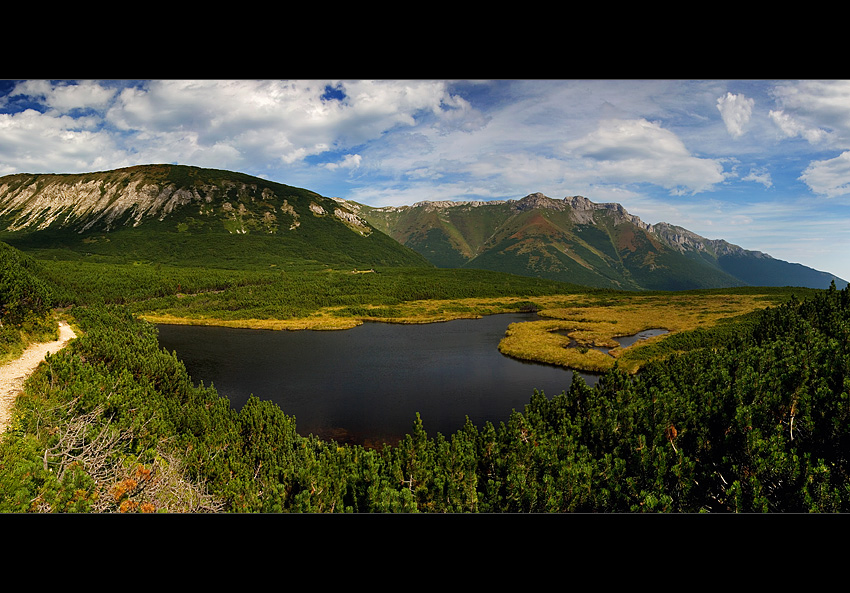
(576, 240)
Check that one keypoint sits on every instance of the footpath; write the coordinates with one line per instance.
(14, 373)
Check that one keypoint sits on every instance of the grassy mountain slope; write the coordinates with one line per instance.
(575, 240)
(188, 216)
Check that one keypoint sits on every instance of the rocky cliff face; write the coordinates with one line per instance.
(104, 200)
(128, 197)
(40, 201)
(428, 205)
(684, 240)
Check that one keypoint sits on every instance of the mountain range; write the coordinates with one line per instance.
(185, 215)
(579, 241)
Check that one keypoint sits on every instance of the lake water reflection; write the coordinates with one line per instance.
(364, 385)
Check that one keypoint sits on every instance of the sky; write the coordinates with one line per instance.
(763, 164)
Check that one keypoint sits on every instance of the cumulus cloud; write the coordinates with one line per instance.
(736, 111)
(66, 97)
(640, 151)
(457, 114)
(830, 178)
(34, 142)
(819, 112)
(349, 161)
(240, 124)
(285, 120)
(816, 110)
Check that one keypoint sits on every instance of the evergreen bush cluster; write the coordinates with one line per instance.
(757, 423)
(26, 302)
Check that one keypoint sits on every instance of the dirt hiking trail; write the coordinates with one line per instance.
(15, 372)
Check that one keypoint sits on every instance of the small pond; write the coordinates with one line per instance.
(623, 341)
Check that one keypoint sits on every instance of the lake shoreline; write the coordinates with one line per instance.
(318, 324)
(594, 321)
(368, 384)
(324, 324)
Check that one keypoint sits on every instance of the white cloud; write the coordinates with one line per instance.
(350, 161)
(639, 151)
(520, 170)
(736, 111)
(791, 127)
(759, 175)
(248, 125)
(284, 120)
(34, 88)
(34, 142)
(816, 110)
(457, 114)
(65, 97)
(830, 178)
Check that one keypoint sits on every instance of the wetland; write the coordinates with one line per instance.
(364, 385)
(364, 381)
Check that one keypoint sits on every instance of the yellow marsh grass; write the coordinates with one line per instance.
(590, 320)
(411, 312)
(275, 324)
(596, 321)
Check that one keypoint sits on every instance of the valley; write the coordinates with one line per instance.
(342, 299)
(740, 406)
(183, 245)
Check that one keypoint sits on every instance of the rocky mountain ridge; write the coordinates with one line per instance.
(577, 240)
(583, 210)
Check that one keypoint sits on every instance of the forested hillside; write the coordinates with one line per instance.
(756, 419)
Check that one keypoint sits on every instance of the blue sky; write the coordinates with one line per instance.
(764, 164)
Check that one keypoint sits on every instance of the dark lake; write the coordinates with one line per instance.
(364, 385)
